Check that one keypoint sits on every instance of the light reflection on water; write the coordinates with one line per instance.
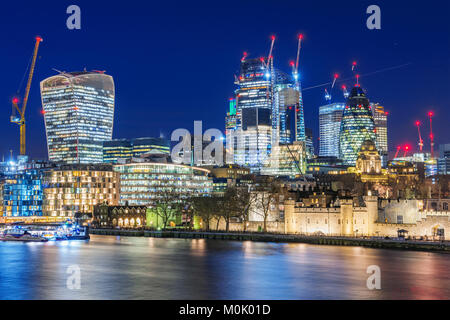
(152, 268)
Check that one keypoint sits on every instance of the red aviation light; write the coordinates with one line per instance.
(417, 123)
(386, 113)
(300, 36)
(15, 100)
(42, 111)
(272, 37)
(291, 63)
(39, 39)
(336, 76)
(430, 114)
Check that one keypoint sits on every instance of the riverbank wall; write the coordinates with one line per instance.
(265, 237)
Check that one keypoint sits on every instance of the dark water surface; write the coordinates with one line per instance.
(150, 268)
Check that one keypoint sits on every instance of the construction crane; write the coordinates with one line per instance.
(431, 114)
(420, 136)
(406, 148)
(345, 91)
(20, 117)
(398, 150)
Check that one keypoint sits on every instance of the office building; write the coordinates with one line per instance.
(444, 159)
(357, 126)
(251, 141)
(144, 182)
(116, 149)
(380, 120)
(74, 188)
(330, 117)
(78, 110)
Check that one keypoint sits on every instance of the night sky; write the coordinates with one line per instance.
(174, 62)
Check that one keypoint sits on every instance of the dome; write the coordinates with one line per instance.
(368, 145)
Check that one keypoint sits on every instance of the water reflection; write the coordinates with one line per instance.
(151, 268)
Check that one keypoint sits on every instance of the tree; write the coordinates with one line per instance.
(266, 197)
(227, 207)
(243, 201)
(166, 206)
(204, 208)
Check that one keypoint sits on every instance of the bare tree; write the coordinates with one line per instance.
(166, 206)
(266, 197)
(204, 207)
(243, 201)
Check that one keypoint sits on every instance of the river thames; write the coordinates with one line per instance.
(151, 268)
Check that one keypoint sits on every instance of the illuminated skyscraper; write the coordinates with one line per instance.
(252, 138)
(78, 111)
(330, 117)
(380, 119)
(231, 118)
(357, 126)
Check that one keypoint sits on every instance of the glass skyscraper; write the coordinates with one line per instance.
(357, 126)
(78, 111)
(330, 117)
(380, 119)
(253, 134)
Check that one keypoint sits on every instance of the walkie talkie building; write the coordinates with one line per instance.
(78, 110)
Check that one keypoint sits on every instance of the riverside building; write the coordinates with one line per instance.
(142, 183)
(69, 189)
(78, 110)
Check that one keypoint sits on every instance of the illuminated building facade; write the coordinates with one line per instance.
(330, 117)
(252, 140)
(444, 159)
(116, 149)
(78, 111)
(309, 143)
(357, 126)
(22, 194)
(231, 122)
(143, 183)
(380, 120)
(74, 188)
(287, 160)
(21, 189)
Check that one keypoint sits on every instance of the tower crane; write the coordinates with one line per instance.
(420, 136)
(398, 150)
(345, 91)
(406, 148)
(20, 117)
(431, 114)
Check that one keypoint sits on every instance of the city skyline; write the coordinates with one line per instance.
(152, 118)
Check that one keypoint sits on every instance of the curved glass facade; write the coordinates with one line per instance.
(143, 183)
(78, 111)
(357, 126)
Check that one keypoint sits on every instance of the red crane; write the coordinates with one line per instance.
(406, 148)
(398, 150)
(431, 114)
(420, 136)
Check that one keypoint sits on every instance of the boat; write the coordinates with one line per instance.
(19, 234)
